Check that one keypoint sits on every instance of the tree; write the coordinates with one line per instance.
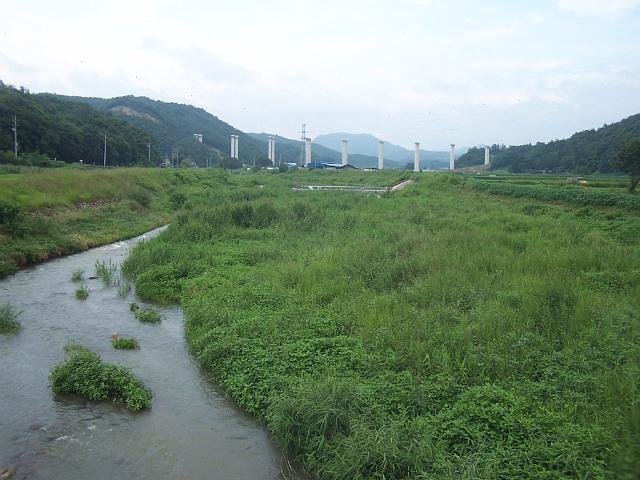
(628, 161)
(263, 162)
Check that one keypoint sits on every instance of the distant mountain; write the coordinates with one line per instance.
(584, 153)
(395, 156)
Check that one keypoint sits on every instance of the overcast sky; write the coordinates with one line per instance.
(429, 71)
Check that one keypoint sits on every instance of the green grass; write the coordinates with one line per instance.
(125, 343)
(82, 292)
(435, 332)
(85, 373)
(148, 315)
(106, 271)
(9, 322)
(46, 214)
(77, 275)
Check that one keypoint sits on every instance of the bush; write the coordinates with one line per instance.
(82, 293)
(141, 196)
(9, 214)
(9, 318)
(125, 343)
(149, 315)
(84, 373)
(77, 275)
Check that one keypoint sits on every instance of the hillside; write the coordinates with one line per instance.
(584, 153)
(53, 128)
(174, 125)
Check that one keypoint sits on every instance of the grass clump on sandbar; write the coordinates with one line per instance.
(9, 322)
(124, 343)
(85, 373)
(148, 315)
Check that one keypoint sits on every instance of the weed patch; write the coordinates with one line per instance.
(85, 373)
(148, 315)
(82, 292)
(125, 343)
(77, 275)
(9, 322)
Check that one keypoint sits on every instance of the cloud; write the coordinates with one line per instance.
(608, 8)
(516, 64)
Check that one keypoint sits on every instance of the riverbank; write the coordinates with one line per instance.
(46, 214)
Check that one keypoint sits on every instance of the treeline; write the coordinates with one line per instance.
(51, 128)
(584, 153)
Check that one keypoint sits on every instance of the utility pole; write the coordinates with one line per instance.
(174, 154)
(105, 149)
(303, 140)
(15, 136)
(149, 147)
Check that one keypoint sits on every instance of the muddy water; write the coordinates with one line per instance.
(192, 430)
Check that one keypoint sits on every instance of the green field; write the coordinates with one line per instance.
(466, 326)
(440, 331)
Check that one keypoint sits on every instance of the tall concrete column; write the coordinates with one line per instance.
(380, 154)
(452, 157)
(233, 146)
(486, 154)
(416, 158)
(345, 155)
(236, 138)
(307, 151)
(272, 150)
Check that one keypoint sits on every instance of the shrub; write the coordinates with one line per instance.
(140, 196)
(84, 373)
(9, 318)
(9, 215)
(77, 275)
(149, 315)
(177, 199)
(82, 293)
(105, 271)
(125, 343)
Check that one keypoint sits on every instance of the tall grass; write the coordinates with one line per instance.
(435, 332)
(45, 214)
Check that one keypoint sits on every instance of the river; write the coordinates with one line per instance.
(192, 430)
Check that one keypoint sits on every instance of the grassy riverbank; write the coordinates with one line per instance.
(435, 332)
(47, 213)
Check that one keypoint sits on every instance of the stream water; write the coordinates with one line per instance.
(191, 432)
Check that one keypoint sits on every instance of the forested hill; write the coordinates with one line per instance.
(583, 153)
(53, 128)
(174, 126)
